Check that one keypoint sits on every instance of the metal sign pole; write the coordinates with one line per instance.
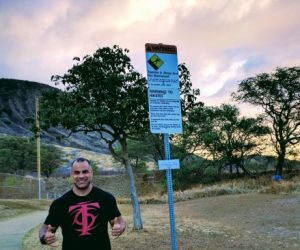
(164, 109)
(170, 193)
(38, 147)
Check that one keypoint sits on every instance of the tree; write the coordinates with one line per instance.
(51, 158)
(278, 94)
(18, 156)
(227, 137)
(184, 144)
(104, 94)
(188, 94)
(151, 145)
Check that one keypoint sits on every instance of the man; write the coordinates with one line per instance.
(83, 214)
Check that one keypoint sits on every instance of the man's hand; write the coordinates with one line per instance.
(50, 235)
(118, 227)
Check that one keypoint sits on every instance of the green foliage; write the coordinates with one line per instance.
(12, 181)
(104, 94)
(278, 94)
(188, 95)
(184, 144)
(18, 156)
(139, 153)
(94, 168)
(187, 176)
(193, 171)
(227, 137)
(150, 146)
(140, 166)
(51, 158)
(15, 154)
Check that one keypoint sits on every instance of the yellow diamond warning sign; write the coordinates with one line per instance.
(163, 89)
(155, 62)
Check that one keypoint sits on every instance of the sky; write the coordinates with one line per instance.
(221, 42)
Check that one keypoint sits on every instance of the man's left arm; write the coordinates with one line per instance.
(118, 226)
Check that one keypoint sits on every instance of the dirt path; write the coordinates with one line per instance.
(239, 222)
(13, 230)
(230, 222)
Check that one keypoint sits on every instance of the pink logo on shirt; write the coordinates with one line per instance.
(83, 217)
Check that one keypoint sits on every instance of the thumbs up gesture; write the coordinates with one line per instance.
(50, 235)
(118, 227)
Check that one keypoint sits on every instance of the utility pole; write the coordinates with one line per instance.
(38, 146)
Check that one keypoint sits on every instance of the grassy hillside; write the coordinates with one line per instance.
(17, 104)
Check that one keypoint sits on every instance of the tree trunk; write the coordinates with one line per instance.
(137, 219)
(280, 161)
(237, 170)
(230, 168)
(246, 171)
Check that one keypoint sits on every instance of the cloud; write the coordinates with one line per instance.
(221, 41)
(213, 80)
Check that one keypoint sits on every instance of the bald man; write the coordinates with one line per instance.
(83, 213)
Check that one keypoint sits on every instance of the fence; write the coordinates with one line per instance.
(19, 187)
(26, 187)
(22, 187)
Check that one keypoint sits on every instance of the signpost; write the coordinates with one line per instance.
(163, 89)
(164, 109)
(38, 147)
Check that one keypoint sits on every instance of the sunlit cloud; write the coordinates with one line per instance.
(212, 80)
(221, 41)
(138, 11)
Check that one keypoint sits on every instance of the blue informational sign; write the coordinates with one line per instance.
(163, 89)
(168, 164)
(165, 73)
(165, 110)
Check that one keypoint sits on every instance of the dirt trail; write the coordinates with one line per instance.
(230, 222)
(13, 230)
(249, 221)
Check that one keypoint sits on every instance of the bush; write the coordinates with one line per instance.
(187, 176)
(18, 156)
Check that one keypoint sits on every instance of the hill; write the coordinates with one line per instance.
(17, 102)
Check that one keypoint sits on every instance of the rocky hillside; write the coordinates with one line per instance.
(17, 102)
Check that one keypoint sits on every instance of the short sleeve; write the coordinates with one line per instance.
(53, 217)
(113, 210)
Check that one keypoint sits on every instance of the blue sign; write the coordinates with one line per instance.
(168, 164)
(164, 111)
(163, 89)
(162, 70)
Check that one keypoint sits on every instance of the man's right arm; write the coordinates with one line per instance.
(47, 234)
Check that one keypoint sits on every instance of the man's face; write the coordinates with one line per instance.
(82, 175)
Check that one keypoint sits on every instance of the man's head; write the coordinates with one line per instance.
(81, 173)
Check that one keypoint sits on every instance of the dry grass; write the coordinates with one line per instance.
(262, 184)
(103, 161)
(235, 222)
(12, 208)
(257, 220)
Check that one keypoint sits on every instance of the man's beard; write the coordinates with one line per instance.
(82, 187)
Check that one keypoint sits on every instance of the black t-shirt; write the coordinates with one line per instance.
(84, 219)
